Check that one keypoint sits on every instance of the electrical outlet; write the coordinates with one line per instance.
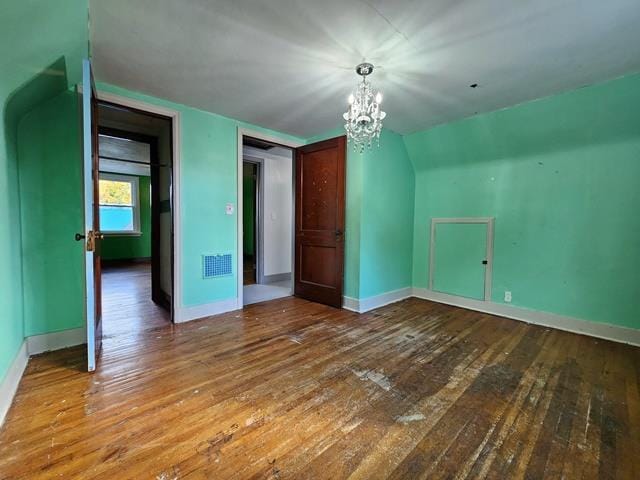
(507, 296)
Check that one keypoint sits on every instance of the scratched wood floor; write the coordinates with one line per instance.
(295, 390)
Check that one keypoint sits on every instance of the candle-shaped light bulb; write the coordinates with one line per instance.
(351, 99)
(378, 97)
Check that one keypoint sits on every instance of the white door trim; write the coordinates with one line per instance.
(176, 141)
(488, 273)
(267, 138)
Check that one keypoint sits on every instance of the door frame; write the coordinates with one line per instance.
(156, 290)
(176, 147)
(488, 271)
(293, 144)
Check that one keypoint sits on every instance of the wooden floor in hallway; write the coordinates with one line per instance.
(127, 307)
(290, 389)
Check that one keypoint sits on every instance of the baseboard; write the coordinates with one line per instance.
(276, 277)
(56, 340)
(560, 322)
(9, 385)
(186, 314)
(363, 305)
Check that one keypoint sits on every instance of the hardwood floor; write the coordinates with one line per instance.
(295, 390)
(127, 307)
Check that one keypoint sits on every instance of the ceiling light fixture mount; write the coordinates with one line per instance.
(364, 116)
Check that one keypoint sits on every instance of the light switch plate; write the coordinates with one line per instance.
(229, 209)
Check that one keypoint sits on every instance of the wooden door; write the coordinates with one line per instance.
(92, 236)
(320, 205)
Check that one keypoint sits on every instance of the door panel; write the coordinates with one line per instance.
(460, 249)
(320, 202)
(93, 294)
(319, 188)
(317, 264)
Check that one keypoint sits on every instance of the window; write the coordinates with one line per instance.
(119, 201)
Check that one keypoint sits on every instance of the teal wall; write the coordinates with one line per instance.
(43, 44)
(208, 181)
(51, 199)
(386, 221)
(561, 177)
(379, 217)
(124, 247)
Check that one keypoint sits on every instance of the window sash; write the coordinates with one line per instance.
(135, 199)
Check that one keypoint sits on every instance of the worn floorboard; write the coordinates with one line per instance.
(292, 389)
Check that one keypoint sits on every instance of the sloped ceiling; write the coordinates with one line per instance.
(288, 65)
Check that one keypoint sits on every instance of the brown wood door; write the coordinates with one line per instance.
(320, 205)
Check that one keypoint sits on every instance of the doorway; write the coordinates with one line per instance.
(267, 220)
(314, 191)
(136, 219)
(461, 256)
(250, 180)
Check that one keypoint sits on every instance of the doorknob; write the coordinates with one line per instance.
(79, 237)
(484, 262)
(338, 233)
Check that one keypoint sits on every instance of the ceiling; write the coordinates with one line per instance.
(288, 65)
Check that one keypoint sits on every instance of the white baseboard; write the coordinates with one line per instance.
(186, 314)
(560, 322)
(9, 385)
(56, 340)
(365, 304)
(276, 277)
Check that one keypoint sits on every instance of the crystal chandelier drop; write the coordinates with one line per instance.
(364, 116)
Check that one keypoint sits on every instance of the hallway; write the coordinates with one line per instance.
(127, 307)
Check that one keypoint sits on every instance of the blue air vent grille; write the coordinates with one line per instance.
(216, 265)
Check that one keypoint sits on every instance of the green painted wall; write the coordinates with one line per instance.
(125, 247)
(561, 177)
(379, 217)
(43, 44)
(51, 200)
(208, 175)
(386, 221)
(248, 206)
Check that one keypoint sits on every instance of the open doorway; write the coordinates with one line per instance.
(136, 220)
(267, 220)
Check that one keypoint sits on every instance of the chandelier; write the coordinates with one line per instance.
(364, 116)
